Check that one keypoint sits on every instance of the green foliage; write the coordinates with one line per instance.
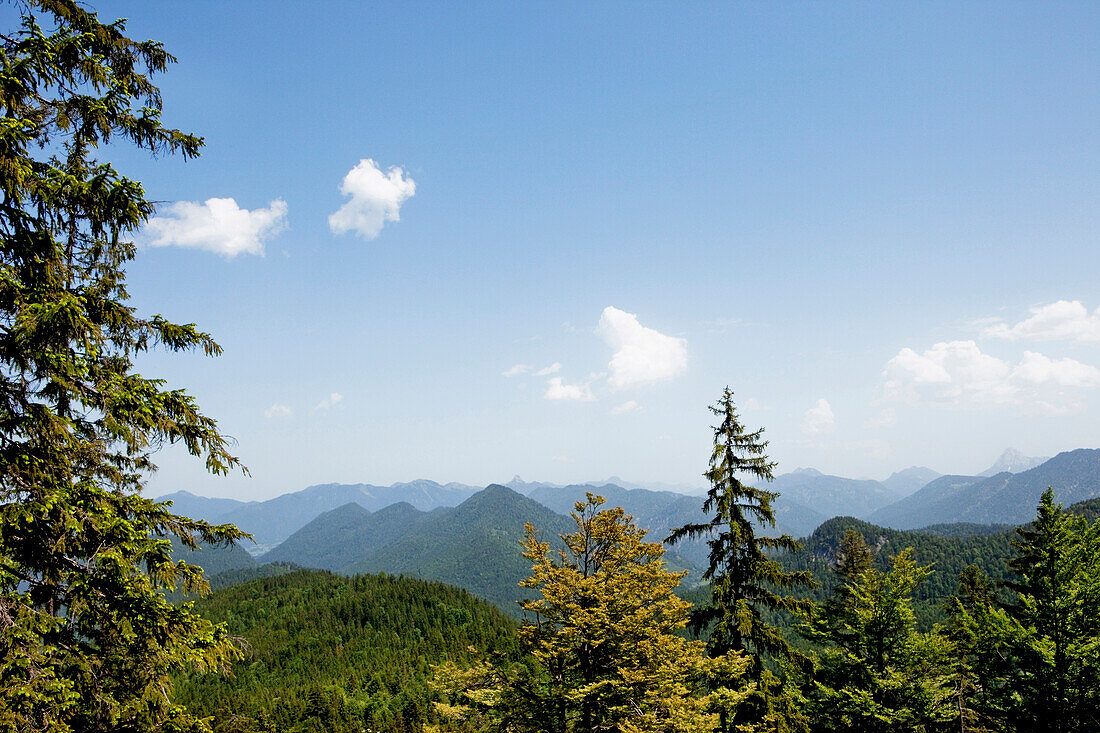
(331, 653)
(87, 638)
(983, 661)
(946, 553)
(875, 671)
(1057, 608)
(213, 559)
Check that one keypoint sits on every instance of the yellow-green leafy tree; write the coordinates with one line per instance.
(602, 641)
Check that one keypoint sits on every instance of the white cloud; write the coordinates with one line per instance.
(331, 401)
(958, 373)
(562, 459)
(516, 370)
(1036, 369)
(642, 355)
(754, 404)
(376, 198)
(626, 407)
(216, 225)
(819, 419)
(547, 371)
(278, 411)
(884, 419)
(555, 390)
(1061, 321)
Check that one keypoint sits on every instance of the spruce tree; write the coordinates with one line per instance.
(87, 640)
(747, 581)
(984, 662)
(1057, 612)
(748, 584)
(876, 673)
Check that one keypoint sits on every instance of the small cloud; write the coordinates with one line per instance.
(754, 404)
(957, 373)
(329, 402)
(555, 390)
(1066, 320)
(216, 225)
(547, 371)
(721, 325)
(626, 407)
(819, 419)
(516, 370)
(375, 198)
(562, 459)
(278, 411)
(884, 419)
(642, 355)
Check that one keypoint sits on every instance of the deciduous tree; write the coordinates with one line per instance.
(602, 634)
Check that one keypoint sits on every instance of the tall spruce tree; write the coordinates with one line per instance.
(747, 581)
(87, 640)
(748, 584)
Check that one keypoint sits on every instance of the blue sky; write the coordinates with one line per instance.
(877, 223)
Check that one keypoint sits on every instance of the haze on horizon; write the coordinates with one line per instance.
(467, 243)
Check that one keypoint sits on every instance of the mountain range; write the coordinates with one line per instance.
(1005, 498)
(474, 543)
(272, 521)
(807, 498)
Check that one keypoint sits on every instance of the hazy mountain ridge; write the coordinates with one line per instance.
(905, 482)
(272, 521)
(832, 495)
(1006, 498)
(475, 545)
(343, 535)
(807, 498)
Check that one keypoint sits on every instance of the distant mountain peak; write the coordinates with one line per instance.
(808, 471)
(909, 480)
(1013, 461)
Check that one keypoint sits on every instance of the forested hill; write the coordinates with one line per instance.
(947, 548)
(474, 546)
(326, 652)
(948, 552)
